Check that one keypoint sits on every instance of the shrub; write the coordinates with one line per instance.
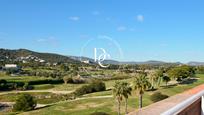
(3, 84)
(18, 85)
(25, 86)
(25, 102)
(78, 80)
(95, 86)
(158, 96)
(98, 86)
(67, 79)
(83, 90)
(46, 81)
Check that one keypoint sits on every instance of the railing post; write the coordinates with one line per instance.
(202, 105)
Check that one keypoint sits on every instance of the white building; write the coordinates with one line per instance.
(86, 61)
(11, 66)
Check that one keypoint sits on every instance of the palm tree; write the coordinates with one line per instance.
(155, 78)
(166, 79)
(118, 94)
(126, 92)
(141, 84)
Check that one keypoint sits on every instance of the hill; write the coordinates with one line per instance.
(27, 55)
(194, 63)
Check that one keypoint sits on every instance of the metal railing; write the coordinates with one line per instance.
(183, 105)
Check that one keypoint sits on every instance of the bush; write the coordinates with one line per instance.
(18, 85)
(3, 84)
(158, 96)
(95, 86)
(98, 86)
(78, 80)
(25, 86)
(46, 81)
(67, 79)
(83, 90)
(25, 102)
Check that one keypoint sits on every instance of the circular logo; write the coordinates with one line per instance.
(102, 51)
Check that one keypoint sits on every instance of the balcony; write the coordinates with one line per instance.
(190, 102)
(191, 106)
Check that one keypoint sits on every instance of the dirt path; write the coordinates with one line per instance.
(164, 105)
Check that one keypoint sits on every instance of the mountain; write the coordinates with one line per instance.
(24, 54)
(151, 62)
(194, 63)
(81, 58)
(115, 62)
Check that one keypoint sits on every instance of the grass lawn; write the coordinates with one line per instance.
(110, 83)
(41, 97)
(43, 86)
(103, 93)
(85, 107)
(66, 87)
(22, 78)
(108, 105)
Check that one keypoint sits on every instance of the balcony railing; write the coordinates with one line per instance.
(192, 106)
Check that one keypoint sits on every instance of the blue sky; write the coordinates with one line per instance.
(166, 30)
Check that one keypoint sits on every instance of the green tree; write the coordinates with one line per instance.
(141, 84)
(67, 79)
(155, 78)
(160, 75)
(118, 94)
(26, 86)
(25, 102)
(64, 67)
(182, 72)
(166, 79)
(126, 92)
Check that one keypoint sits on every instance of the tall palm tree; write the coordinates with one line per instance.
(155, 78)
(118, 94)
(126, 92)
(141, 84)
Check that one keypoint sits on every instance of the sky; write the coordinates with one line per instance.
(165, 30)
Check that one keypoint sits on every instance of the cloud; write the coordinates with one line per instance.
(95, 12)
(74, 18)
(121, 28)
(140, 18)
